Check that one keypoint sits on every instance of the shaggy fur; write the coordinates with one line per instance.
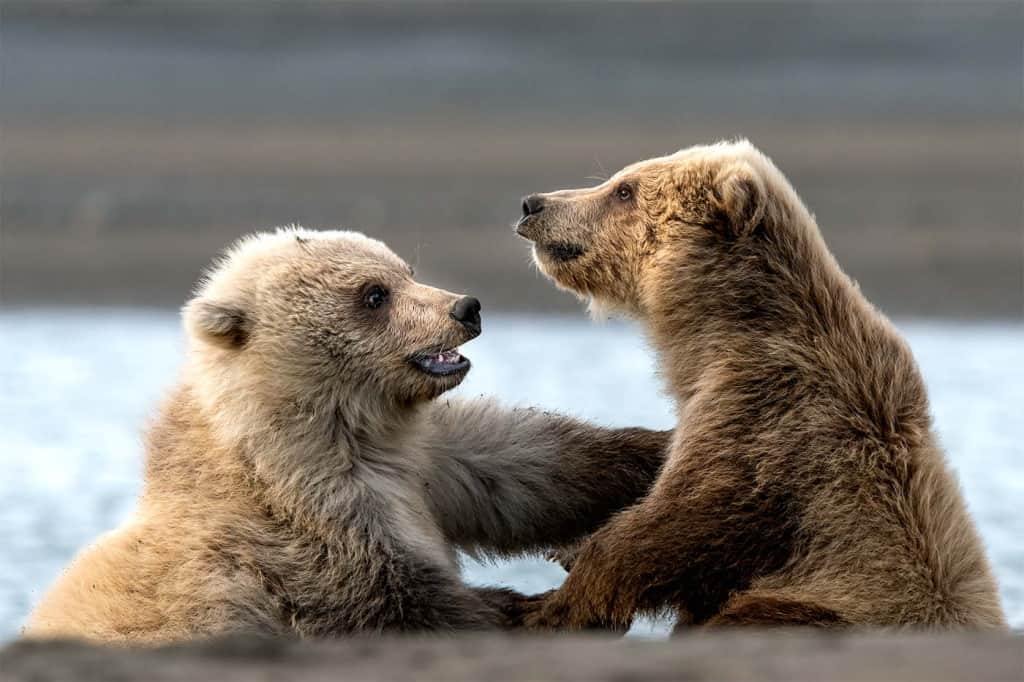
(805, 485)
(301, 479)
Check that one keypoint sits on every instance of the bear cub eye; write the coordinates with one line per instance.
(375, 296)
(624, 192)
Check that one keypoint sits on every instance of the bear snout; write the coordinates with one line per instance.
(466, 311)
(532, 205)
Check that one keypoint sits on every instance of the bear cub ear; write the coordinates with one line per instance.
(218, 323)
(738, 198)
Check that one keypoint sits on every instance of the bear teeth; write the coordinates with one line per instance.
(447, 356)
(441, 363)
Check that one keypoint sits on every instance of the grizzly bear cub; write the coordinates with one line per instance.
(302, 480)
(805, 485)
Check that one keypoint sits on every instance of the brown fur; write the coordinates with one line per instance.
(805, 485)
(302, 480)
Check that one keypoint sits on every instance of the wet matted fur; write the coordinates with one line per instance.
(303, 479)
(805, 484)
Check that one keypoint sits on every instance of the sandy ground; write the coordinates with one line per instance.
(137, 139)
(747, 656)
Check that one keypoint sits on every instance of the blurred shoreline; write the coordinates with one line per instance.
(138, 139)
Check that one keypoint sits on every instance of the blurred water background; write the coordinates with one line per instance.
(81, 383)
(139, 137)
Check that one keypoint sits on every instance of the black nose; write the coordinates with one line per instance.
(466, 312)
(533, 204)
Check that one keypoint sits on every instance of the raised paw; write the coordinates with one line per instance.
(565, 556)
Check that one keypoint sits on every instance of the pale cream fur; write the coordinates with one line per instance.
(301, 479)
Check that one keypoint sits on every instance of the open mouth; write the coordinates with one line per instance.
(522, 227)
(561, 252)
(440, 363)
(564, 252)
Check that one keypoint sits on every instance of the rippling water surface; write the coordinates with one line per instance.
(76, 387)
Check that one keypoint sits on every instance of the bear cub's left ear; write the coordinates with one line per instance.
(738, 198)
(221, 324)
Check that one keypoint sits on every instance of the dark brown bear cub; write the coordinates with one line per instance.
(805, 485)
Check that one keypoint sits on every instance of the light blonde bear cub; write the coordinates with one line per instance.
(302, 480)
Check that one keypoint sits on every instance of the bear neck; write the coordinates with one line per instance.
(774, 307)
(313, 462)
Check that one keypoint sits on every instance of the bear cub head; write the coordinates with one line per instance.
(328, 317)
(608, 243)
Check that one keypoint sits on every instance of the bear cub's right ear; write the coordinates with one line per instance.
(218, 323)
(739, 198)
